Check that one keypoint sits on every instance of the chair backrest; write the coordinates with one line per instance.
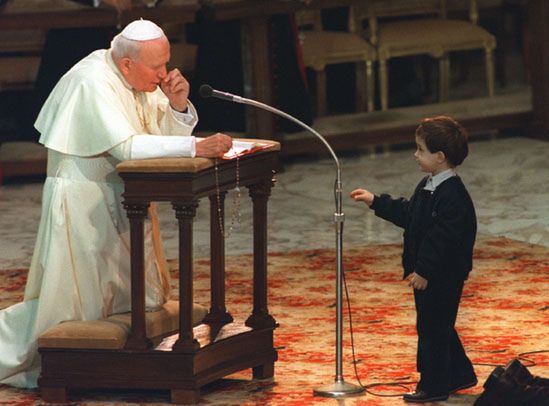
(399, 8)
(312, 20)
(395, 8)
(372, 10)
(308, 20)
(19, 58)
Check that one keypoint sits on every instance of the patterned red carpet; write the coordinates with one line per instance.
(504, 312)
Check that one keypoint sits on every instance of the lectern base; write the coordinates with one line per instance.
(338, 389)
(223, 351)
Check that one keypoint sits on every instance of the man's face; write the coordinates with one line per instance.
(145, 73)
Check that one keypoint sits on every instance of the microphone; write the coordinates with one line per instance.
(206, 91)
(339, 387)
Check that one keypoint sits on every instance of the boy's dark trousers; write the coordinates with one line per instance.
(441, 359)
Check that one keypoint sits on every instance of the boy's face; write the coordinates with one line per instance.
(427, 160)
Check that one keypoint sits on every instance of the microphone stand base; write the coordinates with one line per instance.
(338, 389)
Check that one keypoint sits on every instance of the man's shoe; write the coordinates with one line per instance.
(424, 397)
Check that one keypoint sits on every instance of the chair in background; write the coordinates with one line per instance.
(423, 28)
(19, 58)
(321, 48)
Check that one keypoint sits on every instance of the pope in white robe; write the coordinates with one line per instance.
(114, 105)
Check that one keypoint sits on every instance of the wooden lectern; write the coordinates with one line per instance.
(219, 346)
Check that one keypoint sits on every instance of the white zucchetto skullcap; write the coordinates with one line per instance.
(142, 30)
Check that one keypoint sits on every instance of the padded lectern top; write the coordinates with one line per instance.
(183, 164)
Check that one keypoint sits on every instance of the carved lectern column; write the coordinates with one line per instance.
(136, 214)
(218, 314)
(260, 317)
(185, 212)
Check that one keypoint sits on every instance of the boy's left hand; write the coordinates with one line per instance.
(417, 281)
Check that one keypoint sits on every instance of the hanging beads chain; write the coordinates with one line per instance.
(235, 211)
(140, 111)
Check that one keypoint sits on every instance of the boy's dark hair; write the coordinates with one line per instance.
(444, 134)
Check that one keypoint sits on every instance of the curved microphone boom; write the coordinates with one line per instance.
(207, 91)
(339, 388)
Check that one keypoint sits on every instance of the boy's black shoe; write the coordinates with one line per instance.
(424, 397)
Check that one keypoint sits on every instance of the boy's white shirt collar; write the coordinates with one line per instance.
(434, 181)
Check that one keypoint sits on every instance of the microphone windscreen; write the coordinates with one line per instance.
(205, 91)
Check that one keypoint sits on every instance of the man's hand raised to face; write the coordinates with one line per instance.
(176, 88)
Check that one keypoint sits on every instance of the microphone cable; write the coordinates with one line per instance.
(207, 91)
(402, 382)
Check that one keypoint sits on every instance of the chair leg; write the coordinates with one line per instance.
(370, 85)
(443, 78)
(384, 84)
(490, 71)
(54, 394)
(264, 371)
(361, 87)
(185, 396)
(321, 93)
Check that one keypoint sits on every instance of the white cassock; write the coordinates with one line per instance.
(80, 269)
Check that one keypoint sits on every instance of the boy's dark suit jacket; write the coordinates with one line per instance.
(439, 229)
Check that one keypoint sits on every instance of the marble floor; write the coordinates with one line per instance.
(506, 176)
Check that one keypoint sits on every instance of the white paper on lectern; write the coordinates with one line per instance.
(241, 147)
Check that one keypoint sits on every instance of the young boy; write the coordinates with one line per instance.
(440, 226)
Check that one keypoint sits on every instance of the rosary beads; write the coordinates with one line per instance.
(235, 211)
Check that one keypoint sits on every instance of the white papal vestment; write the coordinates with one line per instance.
(80, 269)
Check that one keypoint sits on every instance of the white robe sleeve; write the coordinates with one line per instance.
(189, 118)
(92, 109)
(168, 120)
(144, 146)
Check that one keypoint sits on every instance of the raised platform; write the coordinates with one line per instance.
(397, 126)
(345, 131)
(22, 159)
